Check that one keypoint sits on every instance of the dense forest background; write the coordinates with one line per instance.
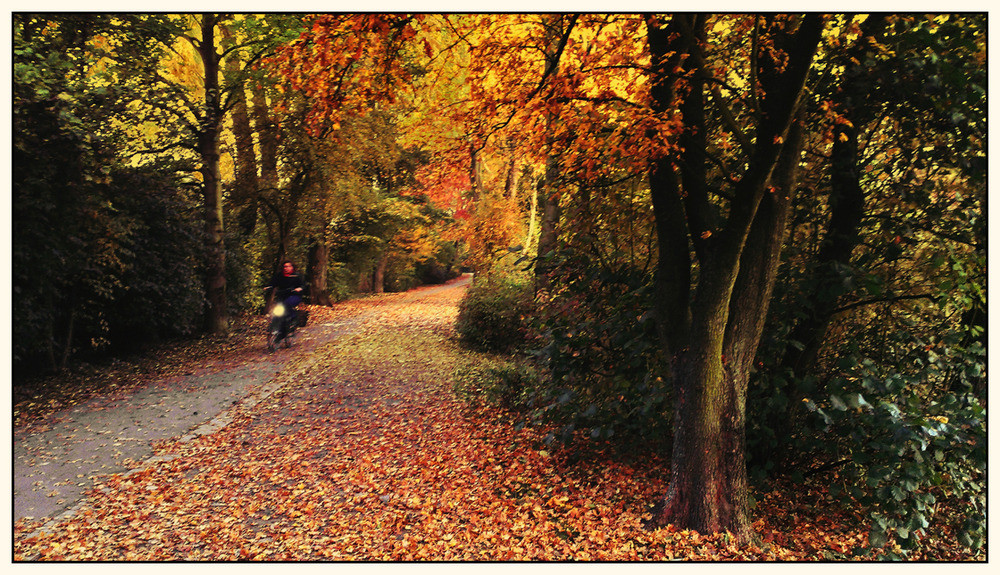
(764, 236)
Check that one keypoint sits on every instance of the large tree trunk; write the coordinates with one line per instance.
(737, 259)
(708, 479)
(378, 276)
(548, 235)
(708, 487)
(243, 199)
(319, 261)
(217, 318)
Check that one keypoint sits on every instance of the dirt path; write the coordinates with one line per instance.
(56, 464)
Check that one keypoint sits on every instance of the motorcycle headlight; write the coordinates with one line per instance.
(279, 310)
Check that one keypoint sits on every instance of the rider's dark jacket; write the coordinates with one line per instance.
(284, 285)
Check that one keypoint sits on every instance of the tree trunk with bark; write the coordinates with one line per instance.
(378, 276)
(529, 238)
(268, 139)
(556, 35)
(711, 327)
(550, 208)
(548, 236)
(319, 261)
(243, 198)
(475, 173)
(510, 182)
(217, 318)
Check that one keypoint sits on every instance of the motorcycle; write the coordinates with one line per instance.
(281, 327)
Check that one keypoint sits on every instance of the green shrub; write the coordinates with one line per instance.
(161, 293)
(244, 289)
(503, 383)
(601, 356)
(594, 368)
(492, 314)
(911, 436)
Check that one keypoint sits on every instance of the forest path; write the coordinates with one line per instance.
(57, 461)
(354, 445)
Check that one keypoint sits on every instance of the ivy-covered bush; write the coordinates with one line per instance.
(911, 436)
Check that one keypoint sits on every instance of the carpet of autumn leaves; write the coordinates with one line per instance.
(366, 454)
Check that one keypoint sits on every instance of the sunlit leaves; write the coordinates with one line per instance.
(531, 82)
(345, 63)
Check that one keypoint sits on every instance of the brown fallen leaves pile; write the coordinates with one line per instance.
(366, 454)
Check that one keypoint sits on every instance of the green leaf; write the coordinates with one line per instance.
(837, 403)
(877, 538)
(880, 520)
(856, 400)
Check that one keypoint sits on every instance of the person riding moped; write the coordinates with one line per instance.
(288, 289)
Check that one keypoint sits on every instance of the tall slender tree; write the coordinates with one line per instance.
(197, 103)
